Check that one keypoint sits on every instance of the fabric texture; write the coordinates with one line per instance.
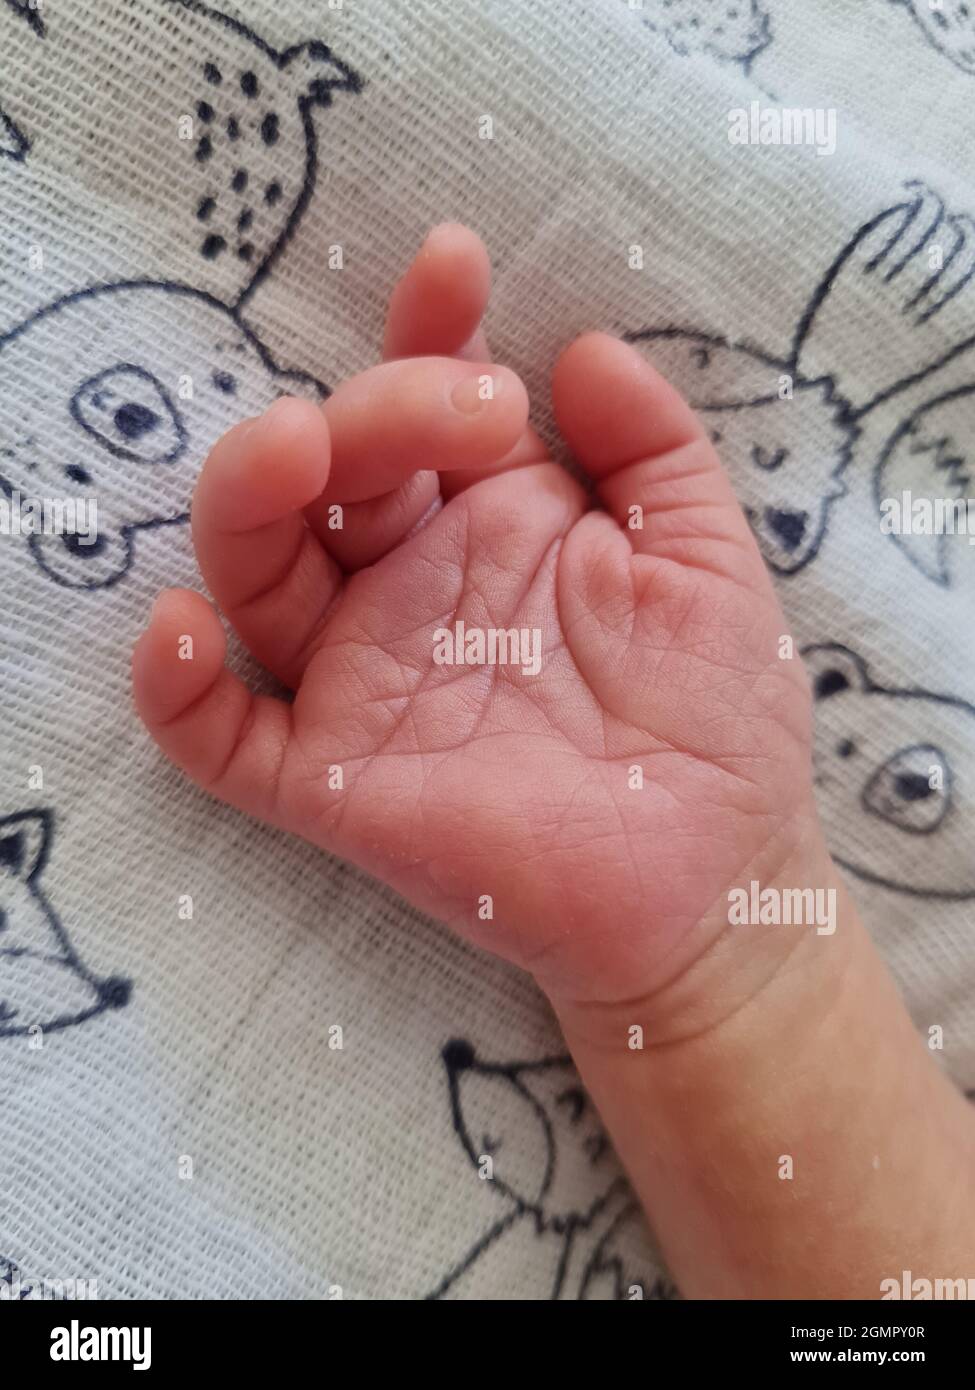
(204, 207)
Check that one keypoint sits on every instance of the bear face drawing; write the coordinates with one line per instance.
(895, 776)
(165, 371)
(43, 982)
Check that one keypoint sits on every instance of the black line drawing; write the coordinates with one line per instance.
(543, 1129)
(130, 429)
(786, 456)
(30, 12)
(734, 31)
(899, 764)
(737, 31)
(14, 141)
(948, 27)
(14, 144)
(235, 102)
(943, 432)
(788, 431)
(43, 981)
(131, 423)
(247, 105)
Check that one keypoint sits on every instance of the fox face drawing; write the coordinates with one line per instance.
(533, 1129)
(515, 1116)
(900, 766)
(789, 425)
(44, 984)
(787, 464)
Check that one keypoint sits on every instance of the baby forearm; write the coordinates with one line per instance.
(806, 1146)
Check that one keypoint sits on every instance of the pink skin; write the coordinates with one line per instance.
(663, 650)
(660, 648)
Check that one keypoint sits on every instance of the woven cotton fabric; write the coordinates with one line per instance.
(201, 208)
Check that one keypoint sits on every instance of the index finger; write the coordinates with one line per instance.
(435, 413)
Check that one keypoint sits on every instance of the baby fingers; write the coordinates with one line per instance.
(265, 568)
(203, 717)
(276, 493)
(420, 413)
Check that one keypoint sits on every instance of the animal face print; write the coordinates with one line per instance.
(165, 372)
(43, 982)
(517, 1116)
(789, 426)
(786, 457)
(546, 1147)
(899, 765)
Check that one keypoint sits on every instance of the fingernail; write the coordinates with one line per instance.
(270, 415)
(157, 603)
(470, 395)
(431, 235)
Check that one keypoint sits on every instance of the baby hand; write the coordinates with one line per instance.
(566, 731)
(582, 794)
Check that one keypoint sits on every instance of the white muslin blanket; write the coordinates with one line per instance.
(202, 207)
